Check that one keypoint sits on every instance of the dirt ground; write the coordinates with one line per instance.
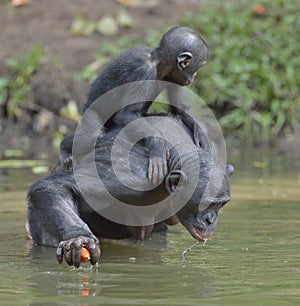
(48, 23)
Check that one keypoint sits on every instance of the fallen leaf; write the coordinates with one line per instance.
(81, 26)
(107, 26)
(20, 163)
(124, 19)
(131, 3)
(95, 65)
(70, 111)
(18, 3)
(139, 3)
(40, 169)
(13, 153)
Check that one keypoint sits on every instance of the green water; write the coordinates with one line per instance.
(252, 259)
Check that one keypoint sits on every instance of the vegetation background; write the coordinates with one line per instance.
(50, 52)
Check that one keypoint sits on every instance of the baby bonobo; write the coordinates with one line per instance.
(181, 52)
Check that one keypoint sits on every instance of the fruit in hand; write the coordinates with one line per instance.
(85, 255)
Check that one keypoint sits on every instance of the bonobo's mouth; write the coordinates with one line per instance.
(197, 233)
(201, 225)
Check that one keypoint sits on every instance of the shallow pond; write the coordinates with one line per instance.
(252, 259)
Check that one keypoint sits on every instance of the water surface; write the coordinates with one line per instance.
(252, 259)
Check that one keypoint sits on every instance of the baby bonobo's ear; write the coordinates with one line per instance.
(183, 60)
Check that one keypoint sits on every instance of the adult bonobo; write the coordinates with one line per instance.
(71, 209)
(181, 52)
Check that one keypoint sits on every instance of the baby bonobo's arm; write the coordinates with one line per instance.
(180, 105)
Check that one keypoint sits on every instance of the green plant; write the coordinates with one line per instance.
(252, 78)
(15, 91)
(3, 86)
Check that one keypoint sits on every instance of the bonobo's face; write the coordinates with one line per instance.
(201, 224)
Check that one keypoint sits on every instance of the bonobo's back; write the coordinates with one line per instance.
(132, 65)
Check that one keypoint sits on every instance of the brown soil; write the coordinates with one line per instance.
(48, 23)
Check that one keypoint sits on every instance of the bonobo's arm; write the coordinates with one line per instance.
(54, 221)
(180, 105)
(157, 168)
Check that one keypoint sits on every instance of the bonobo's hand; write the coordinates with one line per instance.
(157, 168)
(70, 250)
(200, 139)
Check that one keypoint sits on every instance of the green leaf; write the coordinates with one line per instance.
(13, 153)
(3, 89)
(18, 163)
(40, 169)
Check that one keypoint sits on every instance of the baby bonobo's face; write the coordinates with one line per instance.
(182, 51)
(185, 76)
(188, 63)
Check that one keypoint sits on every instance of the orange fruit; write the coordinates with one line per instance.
(85, 255)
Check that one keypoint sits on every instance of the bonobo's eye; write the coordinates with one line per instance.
(183, 60)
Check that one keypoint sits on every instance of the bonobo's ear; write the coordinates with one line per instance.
(183, 60)
(229, 169)
(175, 180)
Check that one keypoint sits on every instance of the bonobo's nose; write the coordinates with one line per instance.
(211, 217)
(208, 218)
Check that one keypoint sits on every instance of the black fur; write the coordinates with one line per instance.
(144, 63)
(59, 215)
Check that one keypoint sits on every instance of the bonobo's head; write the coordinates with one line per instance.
(180, 54)
(201, 222)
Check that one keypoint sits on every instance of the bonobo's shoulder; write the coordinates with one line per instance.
(61, 178)
(133, 64)
(137, 52)
(139, 56)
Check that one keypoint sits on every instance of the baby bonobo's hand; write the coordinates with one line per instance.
(157, 168)
(66, 161)
(70, 250)
(65, 154)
